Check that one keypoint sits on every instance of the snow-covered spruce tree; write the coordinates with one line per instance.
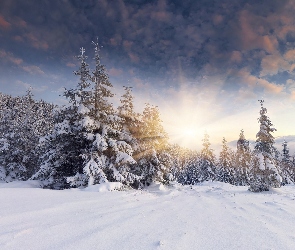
(207, 162)
(181, 158)
(72, 136)
(152, 159)
(225, 171)
(84, 148)
(23, 121)
(111, 153)
(190, 175)
(242, 161)
(287, 166)
(130, 121)
(265, 169)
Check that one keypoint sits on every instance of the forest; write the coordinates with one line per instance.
(89, 141)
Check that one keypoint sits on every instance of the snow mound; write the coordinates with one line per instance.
(22, 184)
(104, 187)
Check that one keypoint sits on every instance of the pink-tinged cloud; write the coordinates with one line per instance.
(290, 55)
(18, 38)
(35, 88)
(272, 64)
(36, 42)
(115, 41)
(34, 70)
(138, 83)
(3, 23)
(236, 56)
(217, 19)
(71, 65)
(271, 87)
(127, 44)
(10, 58)
(21, 23)
(134, 58)
(115, 72)
(161, 16)
(251, 37)
(253, 81)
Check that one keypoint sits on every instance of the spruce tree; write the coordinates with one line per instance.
(225, 164)
(151, 156)
(265, 167)
(287, 166)
(85, 146)
(207, 162)
(65, 148)
(242, 161)
(23, 121)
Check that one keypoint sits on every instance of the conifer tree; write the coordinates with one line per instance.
(287, 166)
(265, 168)
(152, 159)
(23, 121)
(65, 147)
(84, 148)
(130, 121)
(207, 161)
(225, 172)
(242, 161)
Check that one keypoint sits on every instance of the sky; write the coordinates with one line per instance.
(204, 63)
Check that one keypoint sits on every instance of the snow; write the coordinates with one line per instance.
(212, 215)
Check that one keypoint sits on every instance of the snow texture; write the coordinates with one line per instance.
(211, 215)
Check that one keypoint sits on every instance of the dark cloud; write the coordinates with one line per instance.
(158, 41)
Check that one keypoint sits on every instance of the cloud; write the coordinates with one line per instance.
(71, 65)
(273, 64)
(290, 55)
(34, 70)
(10, 57)
(3, 23)
(271, 87)
(34, 88)
(253, 35)
(115, 72)
(36, 42)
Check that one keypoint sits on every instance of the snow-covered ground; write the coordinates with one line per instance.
(210, 216)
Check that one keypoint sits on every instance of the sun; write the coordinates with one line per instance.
(183, 135)
(188, 132)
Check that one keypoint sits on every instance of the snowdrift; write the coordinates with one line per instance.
(211, 215)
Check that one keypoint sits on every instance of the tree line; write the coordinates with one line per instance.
(89, 141)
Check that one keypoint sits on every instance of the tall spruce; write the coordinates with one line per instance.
(225, 171)
(85, 146)
(265, 168)
(71, 138)
(152, 158)
(23, 121)
(242, 161)
(207, 162)
(287, 165)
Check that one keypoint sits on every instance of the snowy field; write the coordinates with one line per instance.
(209, 216)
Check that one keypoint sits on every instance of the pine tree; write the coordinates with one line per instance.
(287, 166)
(130, 121)
(65, 148)
(151, 156)
(225, 164)
(85, 146)
(23, 121)
(114, 158)
(265, 166)
(207, 162)
(242, 161)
